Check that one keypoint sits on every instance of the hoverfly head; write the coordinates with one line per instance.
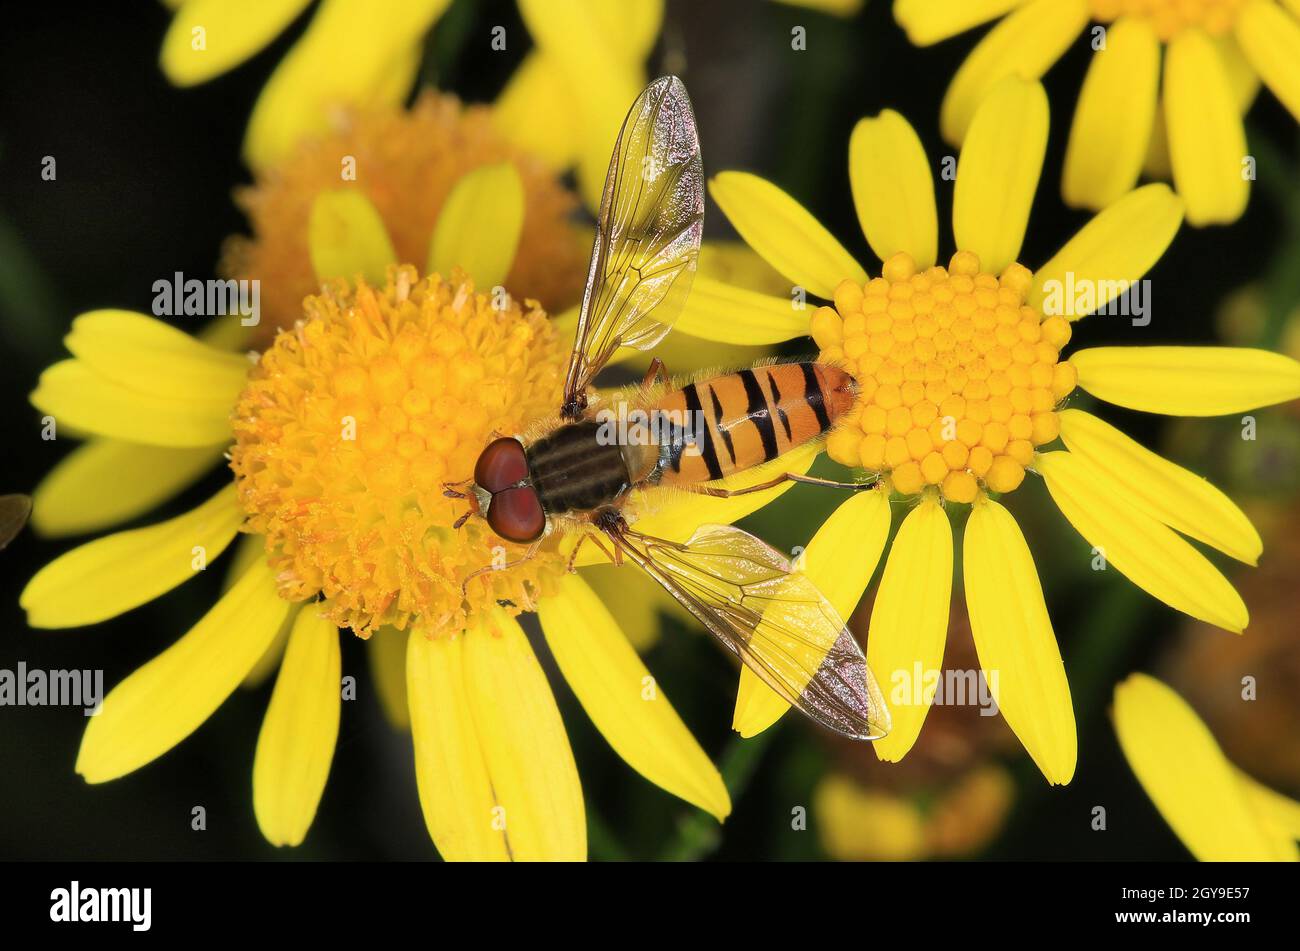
(504, 494)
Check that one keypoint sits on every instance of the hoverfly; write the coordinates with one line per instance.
(564, 476)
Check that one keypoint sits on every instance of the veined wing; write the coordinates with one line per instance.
(775, 620)
(647, 236)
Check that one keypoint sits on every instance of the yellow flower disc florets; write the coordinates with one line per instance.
(353, 421)
(958, 378)
(1170, 17)
(406, 162)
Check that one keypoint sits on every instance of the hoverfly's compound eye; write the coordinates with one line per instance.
(516, 514)
(501, 465)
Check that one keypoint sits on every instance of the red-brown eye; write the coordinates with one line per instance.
(501, 465)
(516, 514)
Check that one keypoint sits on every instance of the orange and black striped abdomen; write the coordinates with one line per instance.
(744, 419)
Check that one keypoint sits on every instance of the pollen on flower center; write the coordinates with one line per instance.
(959, 379)
(353, 421)
(1170, 17)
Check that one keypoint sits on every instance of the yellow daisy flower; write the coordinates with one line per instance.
(343, 436)
(357, 53)
(1220, 813)
(962, 392)
(340, 439)
(1180, 114)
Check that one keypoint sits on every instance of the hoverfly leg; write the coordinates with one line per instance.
(718, 493)
(528, 556)
(452, 490)
(573, 555)
(655, 375)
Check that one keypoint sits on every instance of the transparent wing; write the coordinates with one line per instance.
(774, 620)
(14, 510)
(647, 235)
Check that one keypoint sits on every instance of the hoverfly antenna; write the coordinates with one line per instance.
(452, 491)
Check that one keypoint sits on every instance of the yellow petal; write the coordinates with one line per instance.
(1278, 813)
(105, 482)
(1183, 770)
(387, 650)
(495, 772)
(111, 575)
(600, 76)
(208, 37)
(893, 190)
(1270, 38)
(479, 226)
(1150, 555)
(1015, 642)
(537, 113)
(1114, 117)
(1118, 246)
(1188, 381)
(451, 774)
(637, 602)
(625, 703)
(1182, 500)
(346, 237)
(80, 398)
(998, 172)
(784, 233)
(147, 355)
(909, 624)
(250, 549)
(1207, 142)
(729, 314)
(734, 262)
(929, 21)
(1025, 44)
(169, 698)
(840, 561)
(296, 744)
(354, 53)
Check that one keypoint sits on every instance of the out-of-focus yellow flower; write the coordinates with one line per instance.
(860, 823)
(1183, 120)
(563, 105)
(839, 8)
(409, 164)
(949, 799)
(1218, 812)
(962, 389)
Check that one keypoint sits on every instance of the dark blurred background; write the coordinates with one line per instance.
(145, 173)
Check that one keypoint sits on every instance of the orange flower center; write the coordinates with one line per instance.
(959, 378)
(353, 421)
